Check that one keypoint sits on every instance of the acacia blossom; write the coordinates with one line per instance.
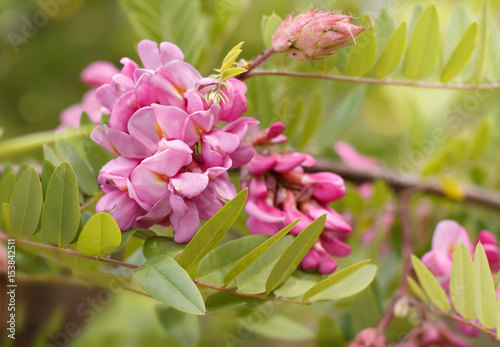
(173, 148)
(280, 192)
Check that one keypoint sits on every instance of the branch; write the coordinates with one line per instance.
(114, 262)
(367, 80)
(259, 60)
(474, 194)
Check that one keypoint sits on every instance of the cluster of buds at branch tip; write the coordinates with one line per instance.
(315, 34)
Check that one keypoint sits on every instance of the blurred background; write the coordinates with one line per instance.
(45, 45)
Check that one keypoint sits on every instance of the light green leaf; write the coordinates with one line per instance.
(145, 18)
(253, 279)
(269, 25)
(248, 259)
(216, 265)
(392, 54)
(297, 284)
(329, 334)
(457, 25)
(484, 291)
(483, 43)
(430, 285)
(460, 55)
(182, 327)
(423, 49)
(334, 279)
(482, 137)
(384, 28)
(7, 184)
(25, 204)
(230, 56)
(100, 236)
(47, 170)
(232, 72)
(21, 170)
(350, 286)
(61, 209)
(168, 282)
(461, 283)
(314, 120)
(212, 231)
(50, 155)
(283, 328)
(362, 55)
(294, 254)
(415, 288)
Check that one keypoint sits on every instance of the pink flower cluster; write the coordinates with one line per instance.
(280, 192)
(447, 236)
(173, 148)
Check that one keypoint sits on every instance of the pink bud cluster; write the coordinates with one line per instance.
(314, 35)
(447, 236)
(280, 192)
(173, 148)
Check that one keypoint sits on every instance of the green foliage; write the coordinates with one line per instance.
(158, 245)
(392, 54)
(100, 236)
(484, 291)
(329, 334)
(362, 56)
(182, 327)
(212, 231)
(165, 280)
(25, 204)
(61, 208)
(460, 55)
(283, 328)
(430, 285)
(461, 285)
(268, 26)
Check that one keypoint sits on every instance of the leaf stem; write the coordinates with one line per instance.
(368, 80)
(114, 262)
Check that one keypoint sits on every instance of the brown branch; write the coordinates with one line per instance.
(367, 80)
(454, 317)
(114, 262)
(472, 193)
(259, 60)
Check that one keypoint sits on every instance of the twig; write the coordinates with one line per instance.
(256, 62)
(114, 262)
(367, 80)
(473, 194)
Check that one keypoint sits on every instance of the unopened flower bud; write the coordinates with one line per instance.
(314, 35)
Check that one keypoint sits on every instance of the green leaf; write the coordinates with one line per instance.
(329, 334)
(253, 279)
(220, 300)
(484, 291)
(283, 328)
(145, 18)
(25, 204)
(232, 72)
(212, 231)
(96, 155)
(125, 237)
(159, 245)
(334, 279)
(7, 184)
(343, 114)
(457, 25)
(100, 236)
(482, 137)
(417, 290)
(232, 55)
(86, 179)
(248, 259)
(47, 170)
(483, 43)
(182, 327)
(423, 49)
(350, 286)
(294, 254)
(50, 155)
(168, 282)
(215, 266)
(297, 284)
(5, 217)
(384, 28)
(430, 285)
(461, 283)
(61, 209)
(362, 55)
(269, 25)
(392, 54)
(460, 55)
(314, 120)
(21, 170)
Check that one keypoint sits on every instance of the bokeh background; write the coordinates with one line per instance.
(45, 45)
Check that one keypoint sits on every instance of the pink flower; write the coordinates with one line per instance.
(447, 236)
(369, 338)
(314, 35)
(279, 193)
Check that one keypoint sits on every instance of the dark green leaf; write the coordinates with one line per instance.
(25, 204)
(61, 209)
(166, 281)
(212, 231)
